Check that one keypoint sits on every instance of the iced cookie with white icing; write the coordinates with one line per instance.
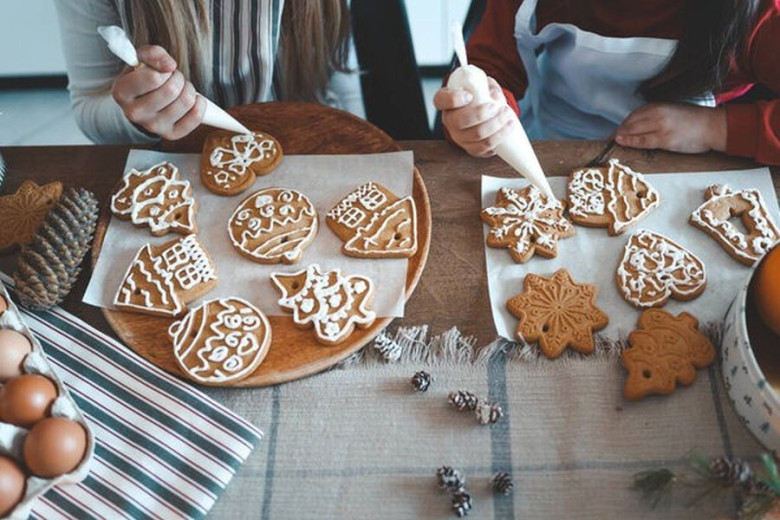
(220, 342)
(612, 196)
(156, 198)
(231, 162)
(162, 279)
(273, 225)
(374, 223)
(721, 205)
(655, 268)
(332, 303)
(526, 222)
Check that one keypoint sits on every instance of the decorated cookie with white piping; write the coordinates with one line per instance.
(156, 198)
(526, 222)
(374, 223)
(221, 341)
(273, 226)
(231, 162)
(332, 303)
(721, 205)
(612, 196)
(655, 268)
(162, 279)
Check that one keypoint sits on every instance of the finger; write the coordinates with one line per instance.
(640, 126)
(157, 58)
(496, 92)
(487, 146)
(157, 100)
(190, 121)
(645, 141)
(137, 83)
(467, 117)
(180, 106)
(488, 128)
(449, 99)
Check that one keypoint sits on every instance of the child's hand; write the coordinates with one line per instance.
(478, 129)
(156, 96)
(676, 127)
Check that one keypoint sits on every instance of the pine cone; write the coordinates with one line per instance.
(421, 381)
(2, 171)
(390, 350)
(450, 478)
(49, 266)
(488, 413)
(732, 472)
(461, 503)
(502, 483)
(463, 400)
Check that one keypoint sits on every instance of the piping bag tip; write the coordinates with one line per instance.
(217, 117)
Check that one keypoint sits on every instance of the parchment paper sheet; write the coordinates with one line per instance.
(325, 179)
(592, 256)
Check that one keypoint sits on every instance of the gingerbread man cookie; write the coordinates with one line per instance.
(720, 206)
(374, 223)
(332, 303)
(156, 198)
(665, 350)
(613, 196)
(557, 312)
(161, 279)
(221, 341)
(655, 268)
(231, 162)
(23, 212)
(273, 225)
(526, 222)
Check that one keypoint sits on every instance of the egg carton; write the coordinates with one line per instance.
(12, 436)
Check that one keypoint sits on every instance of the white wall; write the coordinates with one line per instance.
(429, 21)
(29, 38)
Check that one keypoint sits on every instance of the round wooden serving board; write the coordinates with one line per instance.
(301, 128)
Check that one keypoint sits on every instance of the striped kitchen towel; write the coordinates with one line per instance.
(163, 449)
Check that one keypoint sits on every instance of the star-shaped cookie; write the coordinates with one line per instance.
(558, 313)
(526, 222)
(23, 212)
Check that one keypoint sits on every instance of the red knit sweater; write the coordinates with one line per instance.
(753, 128)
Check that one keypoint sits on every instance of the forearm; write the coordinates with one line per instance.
(102, 120)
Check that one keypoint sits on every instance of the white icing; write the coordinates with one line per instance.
(340, 302)
(231, 164)
(586, 193)
(273, 224)
(403, 213)
(655, 268)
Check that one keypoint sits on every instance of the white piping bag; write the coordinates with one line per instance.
(515, 149)
(120, 45)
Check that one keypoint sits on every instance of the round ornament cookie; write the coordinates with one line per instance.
(273, 225)
(221, 341)
(231, 162)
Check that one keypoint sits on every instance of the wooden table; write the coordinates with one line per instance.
(453, 288)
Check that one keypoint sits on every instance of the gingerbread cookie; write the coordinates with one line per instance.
(161, 279)
(655, 268)
(664, 350)
(156, 198)
(558, 313)
(613, 196)
(330, 302)
(720, 206)
(23, 212)
(526, 222)
(374, 223)
(221, 341)
(273, 225)
(231, 162)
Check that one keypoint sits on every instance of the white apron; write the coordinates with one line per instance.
(582, 85)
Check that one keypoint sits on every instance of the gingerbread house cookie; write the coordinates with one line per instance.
(231, 162)
(374, 223)
(162, 279)
(613, 196)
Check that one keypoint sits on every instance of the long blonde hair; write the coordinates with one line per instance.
(313, 42)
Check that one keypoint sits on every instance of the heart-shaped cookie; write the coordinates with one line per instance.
(655, 268)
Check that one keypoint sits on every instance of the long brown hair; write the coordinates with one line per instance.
(715, 34)
(313, 41)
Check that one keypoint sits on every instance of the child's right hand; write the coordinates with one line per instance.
(157, 97)
(478, 129)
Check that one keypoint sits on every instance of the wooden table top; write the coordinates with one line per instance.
(453, 288)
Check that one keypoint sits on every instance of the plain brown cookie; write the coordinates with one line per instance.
(557, 312)
(664, 350)
(374, 223)
(230, 162)
(23, 212)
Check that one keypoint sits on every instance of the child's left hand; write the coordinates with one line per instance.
(676, 127)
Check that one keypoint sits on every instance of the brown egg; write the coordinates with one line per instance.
(54, 446)
(3, 305)
(14, 347)
(12, 483)
(26, 399)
